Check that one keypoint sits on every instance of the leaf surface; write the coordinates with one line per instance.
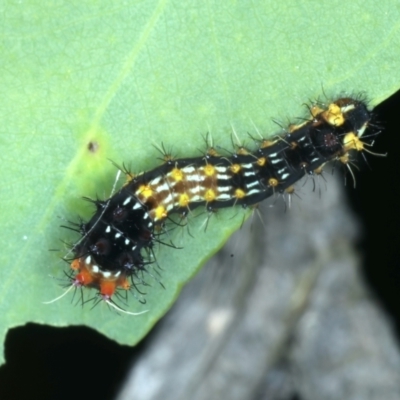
(83, 83)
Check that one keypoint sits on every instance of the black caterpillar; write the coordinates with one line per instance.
(113, 250)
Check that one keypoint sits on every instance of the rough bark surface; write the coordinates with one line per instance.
(280, 313)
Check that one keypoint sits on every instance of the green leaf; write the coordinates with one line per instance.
(129, 76)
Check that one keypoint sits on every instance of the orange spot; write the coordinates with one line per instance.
(107, 288)
(84, 277)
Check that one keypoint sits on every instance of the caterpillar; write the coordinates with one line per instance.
(113, 252)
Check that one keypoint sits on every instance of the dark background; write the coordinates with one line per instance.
(50, 363)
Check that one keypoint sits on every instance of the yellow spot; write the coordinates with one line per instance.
(160, 213)
(353, 142)
(293, 128)
(210, 195)
(344, 158)
(177, 174)
(168, 158)
(239, 193)
(145, 190)
(76, 264)
(212, 152)
(315, 111)
(319, 170)
(242, 151)
(261, 161)
(289, 190)
(267, 143)
(129, 177)
(273, 182)
(209, 170)
(235, 168)
(333, 115)
(184, 200)
(303, 165)
(125, 284)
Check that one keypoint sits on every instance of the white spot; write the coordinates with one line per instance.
(273, 155)
(127, 241)
(195, 190)
(88, 260)
(117, 235)
(146, 215)
(249, 174)
(172, 183)
(246, 166)
(108, 229)
(106, 274)
(162, 188)
(361, 131)
(95, 269)
(24, 237)
(221, 169)
(168, 199)
(224, 188)
(156, 181)
(224, 197)
(254, 191)
(117, 274)
(127, 201)
(188, 170)
(223, 177)
(136, 206)
(134, 247)
(170, 207)
(195, 178)
(347, 108)
(196, 198)
(284, 176)
(278, 160)
(251, 184)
